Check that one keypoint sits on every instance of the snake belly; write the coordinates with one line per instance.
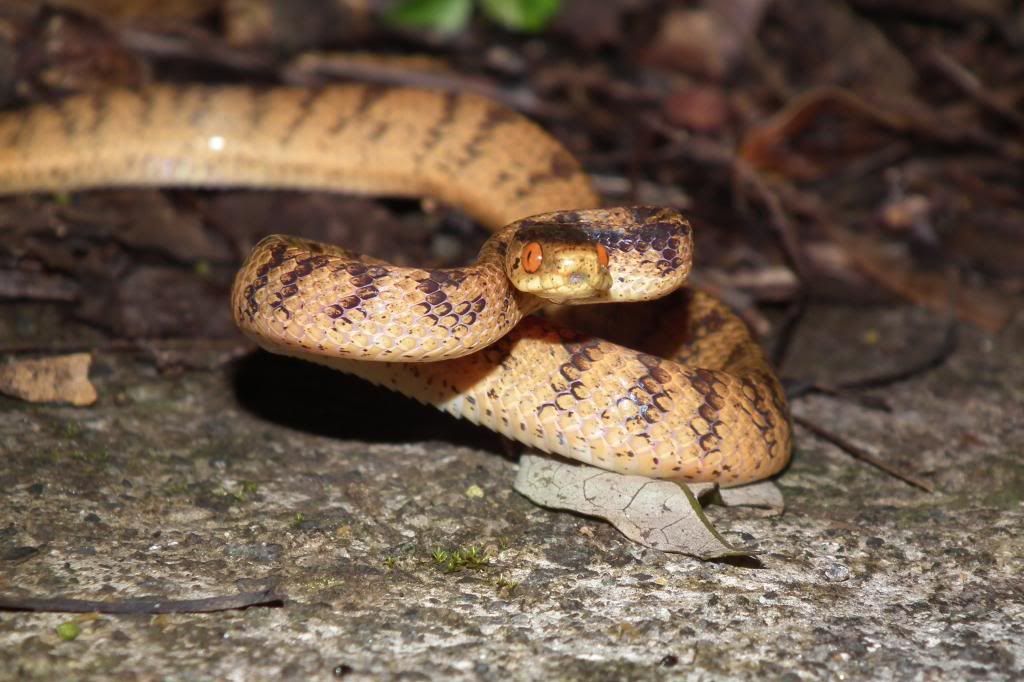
(705, 407)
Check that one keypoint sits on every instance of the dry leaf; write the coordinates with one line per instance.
(59, 379)
(663, 515)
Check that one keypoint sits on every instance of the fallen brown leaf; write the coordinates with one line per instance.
(58, 379)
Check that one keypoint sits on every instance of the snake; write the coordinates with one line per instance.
(699, 403)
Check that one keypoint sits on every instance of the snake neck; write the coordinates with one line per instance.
(294, 296)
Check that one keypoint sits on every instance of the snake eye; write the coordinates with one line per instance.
(602, 255)
(532, 257)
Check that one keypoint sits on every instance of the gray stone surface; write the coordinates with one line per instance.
(207, 483)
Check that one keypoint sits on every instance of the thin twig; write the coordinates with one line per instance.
(233, 347)
(869, 401)
(309, 71)
(842, 389)
(787, 329)
(931, 361)
(863, 455)
(962, 77)
(244, 600)
(197, 45)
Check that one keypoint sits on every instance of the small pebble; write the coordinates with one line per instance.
(446, 248)
(669, 661)
(68, 630)
(836, 573)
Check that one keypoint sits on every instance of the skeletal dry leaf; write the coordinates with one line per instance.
(663, 515)
(58, 379)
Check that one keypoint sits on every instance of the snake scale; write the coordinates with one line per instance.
(705, 407)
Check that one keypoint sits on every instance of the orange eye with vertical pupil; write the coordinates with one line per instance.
(602, 255)
(532, 257)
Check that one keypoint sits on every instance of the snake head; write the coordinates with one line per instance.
(559, 266)
(599, 255)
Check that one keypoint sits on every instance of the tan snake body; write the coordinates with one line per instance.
(708, 407)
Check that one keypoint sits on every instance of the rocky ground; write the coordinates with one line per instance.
(268, 473)
(861, 155)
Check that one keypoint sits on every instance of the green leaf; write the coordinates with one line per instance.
(521, 15)
(443, 16)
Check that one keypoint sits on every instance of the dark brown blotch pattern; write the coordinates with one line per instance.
(364, 285)
(649, 394)
(707, 420)
(494, 117)
(763, 401)
(19, 134)
(289, 281)
(260, 103)
(283, 274)
(560, 166)
(436, 133)
(664, 242)
(147, 105)
(99, 103)
(261, 276)
(652, 233)
(200, 105)
(440, 308)
(582, 355)
(306, 106)
(369, 95)
(68, 116)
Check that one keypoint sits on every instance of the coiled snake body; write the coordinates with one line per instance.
(706, 408)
